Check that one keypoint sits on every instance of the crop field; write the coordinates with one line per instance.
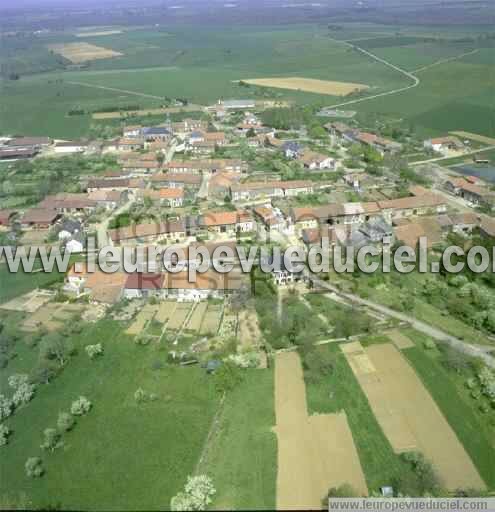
(51, 317)
(141, 320)
(309, 85)
(396, 396)
(82, 52)
(165, 311)
(322, 444)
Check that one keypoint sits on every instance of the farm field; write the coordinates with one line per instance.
(82, 52)
(211, 319)
(322, 444)
(139, 465)
(180, 314)
(396, 396)
(309, 85)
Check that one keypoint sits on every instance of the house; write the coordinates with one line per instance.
(116, 184)
(69, 203)
(220, 183)
(282, 274)
(171, 197)
(239, 221)
(292, 149)
(464, 223)
(173, 231)
(17, 153)
(69, 147)
(237, 104)
(156, 133)
(143, 284)
(381, 144)
(129, 144)
(268, 217)
(75, 244)
(477, 195)
(205, 165)
(177, 180)
(209, 284)
(411, 231)
(132, 131)
(108, 199)
(39, 218)
(68, 228)
(189, 125)
(415, 205)
(443, 144)
(202, 148)
(487, 227)
(314, 236)
(316, 161)
(29, 142)
(6, 217)
(260, 189)
(341, 130)
(454, 185)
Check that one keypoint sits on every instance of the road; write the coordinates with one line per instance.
(440, 158)
(433, 332)
(407, 74)
(125, 91)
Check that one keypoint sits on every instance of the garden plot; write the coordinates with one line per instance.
(314, 452)
(165, 311)
(179, 316)
(52, 316)
(211, 320)
(249, 329)
(196, 319)
(407, 414)
(28, 303)
(143, 317)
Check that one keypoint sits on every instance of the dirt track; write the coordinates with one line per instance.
(314, 452)
(408, 415)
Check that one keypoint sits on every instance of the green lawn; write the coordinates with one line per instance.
(242, 457)
(341, 391)
(121, 456)
(447, 388)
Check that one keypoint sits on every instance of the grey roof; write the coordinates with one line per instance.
(238, 103)
(155, 130)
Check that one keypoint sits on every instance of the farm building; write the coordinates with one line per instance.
(69, 147)
(39, 218)
(443, 144)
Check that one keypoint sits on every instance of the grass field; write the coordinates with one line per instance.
(242, 457)
(449, 391)
(121, 456)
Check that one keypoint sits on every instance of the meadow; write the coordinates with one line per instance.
(122, 455)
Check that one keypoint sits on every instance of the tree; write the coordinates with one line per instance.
(227, 377)
(6, 407)
(23, 394)
(94, 350)
(56, 347)
(65, 421)
(4, 434)
(34, 467)
(51, 440)
(343, 491)
(80, 407)
(197, 495)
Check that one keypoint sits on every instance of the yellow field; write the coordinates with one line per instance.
(82, 52)
(296, 83)
(97, 34)
(476, 137)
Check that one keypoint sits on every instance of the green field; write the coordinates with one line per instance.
(242, 456)
(121, 456)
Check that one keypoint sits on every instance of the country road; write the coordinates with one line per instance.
(125, 91)
(440, 158)
(433, 332)
(407, 74)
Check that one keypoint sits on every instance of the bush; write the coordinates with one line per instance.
(80, 407)
(34, 467)
(197, 495)
(6, 407)
(65, 422)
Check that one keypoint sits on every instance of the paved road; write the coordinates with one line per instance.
(433, 332)
(440, 158)
(415, 79)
